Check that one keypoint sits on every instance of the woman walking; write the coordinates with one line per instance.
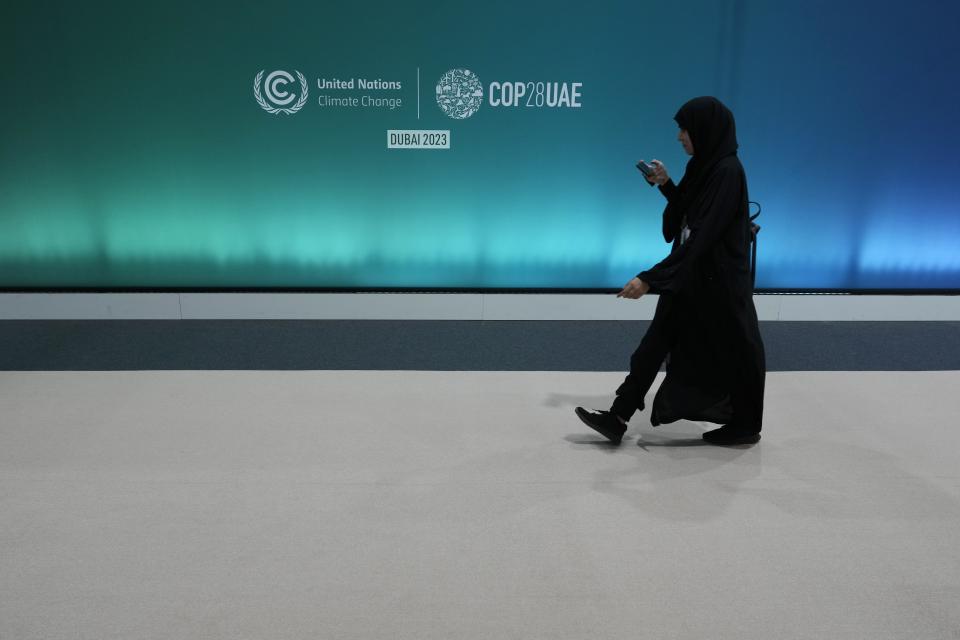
(705, 318)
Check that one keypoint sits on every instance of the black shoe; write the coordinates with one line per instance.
(728, 435)
(604, 423)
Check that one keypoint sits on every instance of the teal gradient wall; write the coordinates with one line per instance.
(133, 153)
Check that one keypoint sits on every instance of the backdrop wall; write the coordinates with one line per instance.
(145, 144)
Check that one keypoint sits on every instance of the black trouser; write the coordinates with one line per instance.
(737, 343)
(646, 360)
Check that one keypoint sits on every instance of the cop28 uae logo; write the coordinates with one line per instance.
(459, 93)
(278, 97)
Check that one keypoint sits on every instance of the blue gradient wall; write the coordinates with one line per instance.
(133, 152)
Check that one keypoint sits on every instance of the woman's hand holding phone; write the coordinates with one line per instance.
(659, 176)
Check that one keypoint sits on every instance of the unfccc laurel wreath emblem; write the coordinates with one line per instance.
(278, 98)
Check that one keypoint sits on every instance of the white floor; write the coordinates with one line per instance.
(438, 505)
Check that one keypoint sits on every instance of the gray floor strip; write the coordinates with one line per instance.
(98, 345)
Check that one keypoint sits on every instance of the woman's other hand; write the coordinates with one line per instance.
(634, 289)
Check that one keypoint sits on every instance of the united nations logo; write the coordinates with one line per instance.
(277, 97)
(459, 93)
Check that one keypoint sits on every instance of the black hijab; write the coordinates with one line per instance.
(713, 133)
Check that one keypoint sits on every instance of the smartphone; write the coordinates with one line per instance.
(645, 169)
